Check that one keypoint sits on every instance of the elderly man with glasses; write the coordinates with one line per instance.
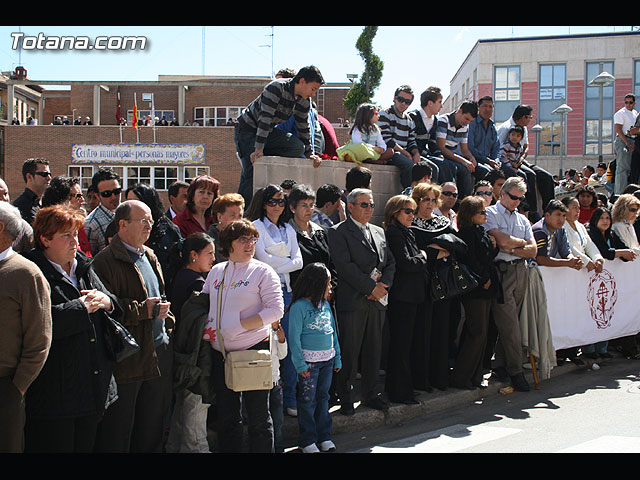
(106, 184)
(365, 267)
(131, 271)
(515, 239)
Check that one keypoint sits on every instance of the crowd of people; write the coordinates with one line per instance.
(297, 270)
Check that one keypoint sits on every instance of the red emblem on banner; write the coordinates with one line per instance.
(602, 295)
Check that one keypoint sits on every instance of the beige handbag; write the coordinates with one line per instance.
(244, 370)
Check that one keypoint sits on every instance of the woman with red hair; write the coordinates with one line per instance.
(196, 217)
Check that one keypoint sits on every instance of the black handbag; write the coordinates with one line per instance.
(450, 279)
(120, 343)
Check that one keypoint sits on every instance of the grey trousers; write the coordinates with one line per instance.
(509, 351)
(188, 432)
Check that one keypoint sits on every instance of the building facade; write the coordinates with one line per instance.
(547, 72)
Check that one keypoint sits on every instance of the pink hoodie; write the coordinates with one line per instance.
(250, 288)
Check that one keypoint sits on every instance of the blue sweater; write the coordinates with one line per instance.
(312, 332)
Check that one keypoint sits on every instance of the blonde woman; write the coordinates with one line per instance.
(623, 215)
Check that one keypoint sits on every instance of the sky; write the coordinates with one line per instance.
(419, 56)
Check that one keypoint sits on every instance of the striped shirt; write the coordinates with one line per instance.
(450, 131)
(397, 130)
(510, 153)
(276, 105)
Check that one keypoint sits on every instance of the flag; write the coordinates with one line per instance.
(135, 112)
(118, 114)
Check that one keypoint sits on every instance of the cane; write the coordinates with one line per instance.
(535, 372)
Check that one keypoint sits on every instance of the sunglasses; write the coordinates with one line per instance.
(486, 194)
(108, 193)
(408, 101)
(515, 197)
(629, 102)
(481, 212)
(409, 211)
(280, 202)
(634, 210)
(450, 194)
(43, 174)
(367, 205)
(76, 195)
(429, 200)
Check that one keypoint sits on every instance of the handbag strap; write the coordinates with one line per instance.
(218, 331)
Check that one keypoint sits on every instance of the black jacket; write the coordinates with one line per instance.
(411, 278)
(479, 259)
(75, 379)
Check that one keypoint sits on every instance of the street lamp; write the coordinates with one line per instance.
(537, 128)
(602, 80)
(562, 110)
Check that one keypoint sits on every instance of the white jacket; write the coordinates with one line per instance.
(282, 265)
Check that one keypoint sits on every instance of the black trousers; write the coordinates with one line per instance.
(135, 422)
(473, 342)
(61, 435)
(440, 341)
(360, 333)
(408, 361)
(12, 417)
(229, 407)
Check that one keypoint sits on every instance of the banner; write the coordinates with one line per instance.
(588, 307)
(137, 154)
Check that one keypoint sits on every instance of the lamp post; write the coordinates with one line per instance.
(537, 128)
(602, 80)
(562, 110)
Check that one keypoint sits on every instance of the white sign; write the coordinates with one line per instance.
(139, 153)
(587, 307)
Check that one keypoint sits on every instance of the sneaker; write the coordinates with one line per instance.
(327, 446)
(310, 449)
(292, 411)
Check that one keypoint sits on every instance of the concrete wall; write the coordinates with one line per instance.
(385, 180)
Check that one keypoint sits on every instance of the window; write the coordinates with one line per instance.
(552, 92)
(83, 173)
(636, 78)
(192, 172)
(506, 95)
(216, 116)
(598, 112)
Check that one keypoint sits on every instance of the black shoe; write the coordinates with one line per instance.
(406, 401)
(577, 361)
(347, 409)
(591, 356)
(377, 403)
(500, 374)
(606, 355)
(519, 383)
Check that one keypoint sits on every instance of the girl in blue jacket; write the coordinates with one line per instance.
(315, 352)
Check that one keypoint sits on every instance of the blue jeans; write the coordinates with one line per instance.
(277, 415)
(314, 419)
(600, 347)
(287, 370)
(405, 164)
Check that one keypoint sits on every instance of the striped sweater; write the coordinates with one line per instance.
(275, 105)
(397, 130)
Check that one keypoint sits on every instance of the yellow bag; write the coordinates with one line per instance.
(356, 152)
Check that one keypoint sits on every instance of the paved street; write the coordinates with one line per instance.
(582, 411)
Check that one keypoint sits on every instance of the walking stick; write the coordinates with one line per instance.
(535, 372)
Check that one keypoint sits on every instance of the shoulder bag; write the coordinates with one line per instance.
(120, 343)
(450, 279)
(244, 370)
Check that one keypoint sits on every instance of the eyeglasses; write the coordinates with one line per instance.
(247, 240)
(76, 195)
(408, 101)
(514, 197)
(43, 174)
(366, 205)
(486, 194)
(429, 200)
(634, 209)
(450, 194)
(143, 221)
(409, 211)
(629, 102)
(481, 212)
(108, 193)
(280, 202)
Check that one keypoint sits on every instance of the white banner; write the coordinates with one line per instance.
(137, 153)
(586, 307)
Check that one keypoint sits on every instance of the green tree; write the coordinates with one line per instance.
(363, 90)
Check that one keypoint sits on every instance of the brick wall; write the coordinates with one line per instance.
(54, 143)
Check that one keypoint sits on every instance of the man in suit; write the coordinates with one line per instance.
(365, 267)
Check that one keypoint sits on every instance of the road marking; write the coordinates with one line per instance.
(446, 440)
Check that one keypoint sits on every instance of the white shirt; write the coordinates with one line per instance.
(581, 244)
(7, 253)
(626, 118)
(71, 276)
